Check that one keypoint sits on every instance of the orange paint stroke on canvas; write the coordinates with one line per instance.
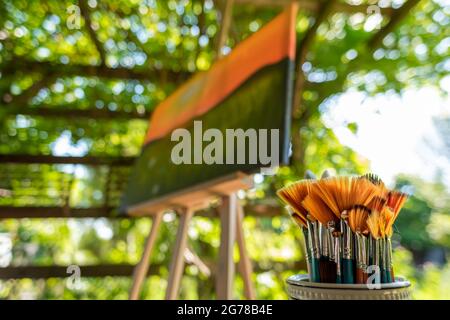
(274, 42)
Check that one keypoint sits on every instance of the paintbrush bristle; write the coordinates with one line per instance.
(298, 219)
(343, 193)
(378, 203)
(380, 221)
(373, 223)
(376, 180)
(357, 219)
(372, 177)
(389, 218)
(317, 208)
(389, 213)
(396, 200)
(294, 194)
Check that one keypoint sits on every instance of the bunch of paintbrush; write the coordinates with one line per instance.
(347, 223)
(382, 215)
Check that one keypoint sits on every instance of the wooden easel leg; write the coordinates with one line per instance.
(141, 268)
(177, 263)
(245, 265)
(225, 274)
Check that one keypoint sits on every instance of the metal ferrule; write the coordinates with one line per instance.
(337, 255)
(316, 235)
(324, 244)
(383, 253)
(376, 252)
(358, 249)
(331, 227)
(330, 241)
(310, 237)
(347, 240)
(367, 243)
(361, 251)
(313, 239)
(388, 253)
(306, 235)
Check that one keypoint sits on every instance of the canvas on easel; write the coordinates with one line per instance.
(206, 140)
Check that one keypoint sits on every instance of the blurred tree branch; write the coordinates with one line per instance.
(85, 12)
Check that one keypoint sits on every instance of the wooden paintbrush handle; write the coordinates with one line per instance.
(366, 277)
(347, 271)
(360, 276)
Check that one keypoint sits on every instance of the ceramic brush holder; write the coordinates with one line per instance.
(300, 288)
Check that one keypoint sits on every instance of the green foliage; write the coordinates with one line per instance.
(428, 282)
(423, 222)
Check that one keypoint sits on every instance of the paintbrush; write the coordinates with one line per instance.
(382, 220)
(362, 243)
(319, 210)
(376, 206)
(385, 216)
(377, 223)
(395, 202)
(337, 250)
(373, 223)
(332, 274)
(347, 250)
(379, 252)
(327, 260)
(313, 228)
(303, 226)
(327, 266)
(293, 195)
(358, 224)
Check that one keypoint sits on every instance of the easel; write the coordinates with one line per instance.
(187, 202)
